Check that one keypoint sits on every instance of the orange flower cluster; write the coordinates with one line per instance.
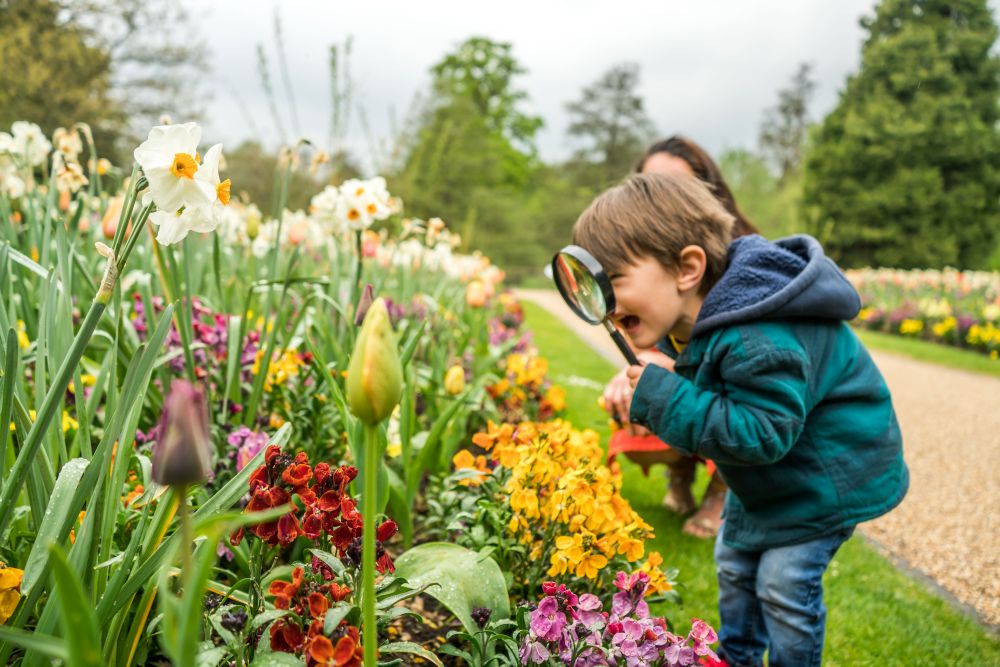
(309, 598)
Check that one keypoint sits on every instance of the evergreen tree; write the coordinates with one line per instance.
(783, 132)
(611, 120)
(906, 170)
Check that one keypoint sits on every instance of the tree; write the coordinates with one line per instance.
(483, 71)
(783, 132)
(906, 169)
(611, 119)
(158, 59)
(50, 75)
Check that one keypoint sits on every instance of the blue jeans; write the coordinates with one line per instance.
(773, 600)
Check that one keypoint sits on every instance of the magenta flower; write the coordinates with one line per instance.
(547, 621)
(588, 612)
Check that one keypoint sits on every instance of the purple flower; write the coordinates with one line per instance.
(588, 612)
(678, 653)
(547, 621)
(533, 652)
(629, 599)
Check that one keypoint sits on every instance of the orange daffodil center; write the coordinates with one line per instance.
(222, 191)
(184, 166)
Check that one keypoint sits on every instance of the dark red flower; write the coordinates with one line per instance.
(318, 604)
(288, 529)
(330, 502)
(312, 525)
(339, 593)
(297, 474)
(286, 636)
(321, 472)
(386, 530)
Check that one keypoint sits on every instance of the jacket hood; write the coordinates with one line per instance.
(789, 278)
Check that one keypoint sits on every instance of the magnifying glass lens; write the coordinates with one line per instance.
(581, 288)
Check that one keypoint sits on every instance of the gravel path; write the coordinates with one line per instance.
(948, 527)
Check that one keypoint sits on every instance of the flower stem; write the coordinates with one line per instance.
(187, 535)
(370, 637)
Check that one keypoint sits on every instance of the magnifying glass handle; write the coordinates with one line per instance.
(622, 344)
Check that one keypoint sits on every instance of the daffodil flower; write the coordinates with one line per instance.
(170, 162)
(201, 215)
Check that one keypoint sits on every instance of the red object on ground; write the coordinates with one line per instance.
(623, 443)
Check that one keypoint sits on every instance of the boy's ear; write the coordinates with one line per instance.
(691, 268)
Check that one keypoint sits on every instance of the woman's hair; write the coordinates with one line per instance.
(704, 168)
(656, 215)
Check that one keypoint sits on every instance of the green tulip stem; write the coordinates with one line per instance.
(187, 535)
(370, 637)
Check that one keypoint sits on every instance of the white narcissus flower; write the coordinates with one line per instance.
(10, 183)
(169, 159)
(363, 202)
(29, 143)
(69, 174)
(173, 227)
(68, 143)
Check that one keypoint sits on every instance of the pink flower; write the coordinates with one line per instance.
(547, 621)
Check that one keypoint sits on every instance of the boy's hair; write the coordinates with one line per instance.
(656, 215)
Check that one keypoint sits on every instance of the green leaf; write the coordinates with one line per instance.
(330, 560)
(77, 614)
(266, 617)
(412, 648)
(34, 641)
(464, 579)
(276, 659)
(59, 507)
(334, 615)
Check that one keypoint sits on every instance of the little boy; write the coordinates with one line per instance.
(771, 384)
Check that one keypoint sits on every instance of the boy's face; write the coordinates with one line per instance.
(648, 302)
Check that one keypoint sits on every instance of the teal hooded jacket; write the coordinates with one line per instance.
(776, 389)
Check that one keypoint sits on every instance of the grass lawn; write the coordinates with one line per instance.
(876, 614)
(934, 353)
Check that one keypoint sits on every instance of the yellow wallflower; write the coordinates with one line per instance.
(911, 327)
(22, 336)
(464, 460)
(10, 590)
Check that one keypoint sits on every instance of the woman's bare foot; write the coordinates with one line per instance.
(707, 520)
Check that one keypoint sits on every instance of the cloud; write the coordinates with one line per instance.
(709, 69)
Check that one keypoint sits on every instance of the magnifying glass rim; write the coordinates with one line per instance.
(596, 270)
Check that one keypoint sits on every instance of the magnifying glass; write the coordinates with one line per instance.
(587, 291)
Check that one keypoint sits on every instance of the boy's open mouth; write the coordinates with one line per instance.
(629, 322)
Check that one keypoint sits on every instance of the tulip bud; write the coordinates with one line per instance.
(454, 380)
(182, 452)
(375, 375)
(109, 223)
(475, 294)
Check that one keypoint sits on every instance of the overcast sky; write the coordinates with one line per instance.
(709, 69)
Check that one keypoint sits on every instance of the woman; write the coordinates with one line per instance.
(678, 155)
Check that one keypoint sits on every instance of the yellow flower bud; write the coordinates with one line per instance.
(375, 375)
(454, 380)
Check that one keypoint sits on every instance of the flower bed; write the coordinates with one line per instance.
(958, 308)
(239, 438)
